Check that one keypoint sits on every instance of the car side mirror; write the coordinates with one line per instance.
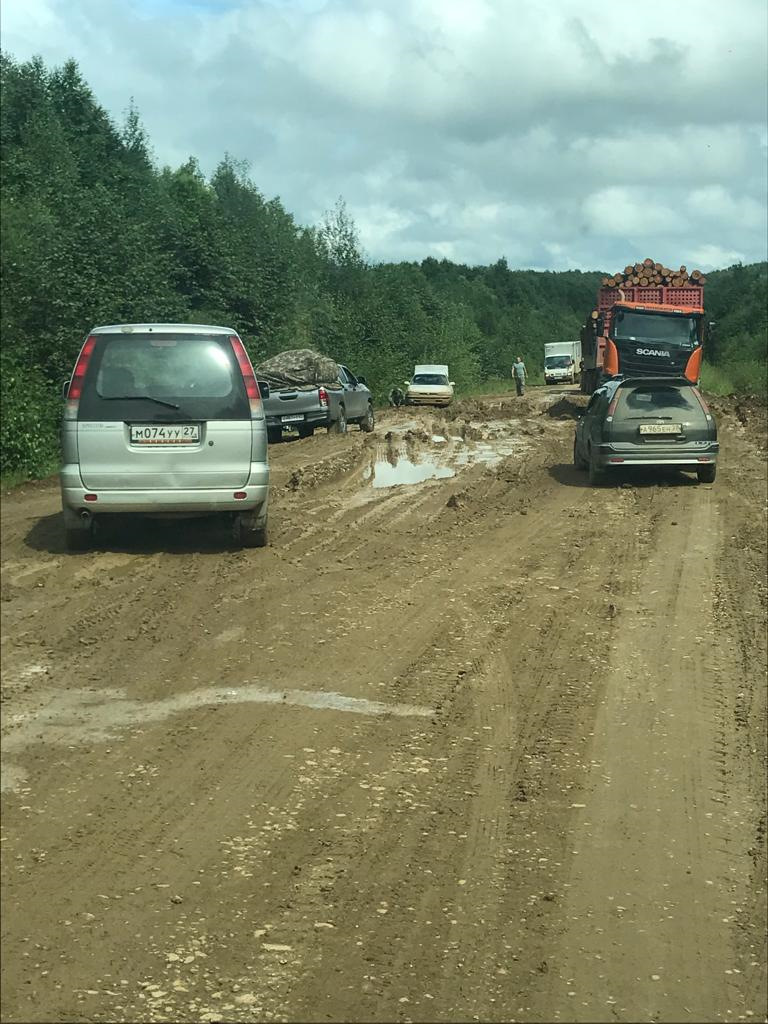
(451, 383)
(406, 382)
(263, 388)
(65, 387)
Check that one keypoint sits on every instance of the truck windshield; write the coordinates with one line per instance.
(429, 378)
(631, 325)
(557, 362)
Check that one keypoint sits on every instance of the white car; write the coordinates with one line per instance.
(429, 386)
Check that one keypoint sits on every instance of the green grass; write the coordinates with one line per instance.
(18, 477)
(744, 378)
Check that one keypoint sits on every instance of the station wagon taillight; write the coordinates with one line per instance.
(76, 384)
(249, 379)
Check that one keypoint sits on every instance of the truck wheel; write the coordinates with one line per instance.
(368, 421)
(339, 425)
(706, 474)
(274, 435)
(595, 472)
(247, 535)
(306, 431)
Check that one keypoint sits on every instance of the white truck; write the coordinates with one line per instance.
(562, 362)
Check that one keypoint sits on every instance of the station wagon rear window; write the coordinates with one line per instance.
(163, 378)
(656, 400)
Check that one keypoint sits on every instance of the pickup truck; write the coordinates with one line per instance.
(305, 407)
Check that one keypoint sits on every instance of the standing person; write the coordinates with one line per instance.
(518, 372)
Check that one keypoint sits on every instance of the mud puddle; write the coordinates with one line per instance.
(442, 456)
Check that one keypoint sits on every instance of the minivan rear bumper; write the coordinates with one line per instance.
(219, 499)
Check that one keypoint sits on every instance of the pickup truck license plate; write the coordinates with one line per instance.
(661, 428)
(292, 419)
(165, 433)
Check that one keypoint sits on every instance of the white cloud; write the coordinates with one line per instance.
(545, 132)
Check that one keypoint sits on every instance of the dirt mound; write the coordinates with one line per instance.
(567, 408)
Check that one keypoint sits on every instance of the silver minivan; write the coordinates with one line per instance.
(164, 420)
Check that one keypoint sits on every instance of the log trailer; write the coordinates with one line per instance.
(649, 321)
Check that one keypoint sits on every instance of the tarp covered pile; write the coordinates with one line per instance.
(299, 368)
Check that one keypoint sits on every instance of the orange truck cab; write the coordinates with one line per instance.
(638, 332)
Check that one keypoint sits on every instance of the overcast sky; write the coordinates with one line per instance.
(559, 134)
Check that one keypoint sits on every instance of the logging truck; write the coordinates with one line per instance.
(648, 321)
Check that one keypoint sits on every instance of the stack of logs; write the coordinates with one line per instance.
(647, 274)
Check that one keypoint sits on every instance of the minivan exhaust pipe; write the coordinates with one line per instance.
(85, 515)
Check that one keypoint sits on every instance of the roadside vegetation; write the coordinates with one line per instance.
(95, 232)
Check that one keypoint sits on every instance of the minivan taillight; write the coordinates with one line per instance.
(251, 387)
(75, 390)
(322, 394)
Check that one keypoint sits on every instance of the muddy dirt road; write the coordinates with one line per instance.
(470, 741)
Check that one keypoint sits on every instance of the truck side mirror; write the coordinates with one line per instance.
(263, 388)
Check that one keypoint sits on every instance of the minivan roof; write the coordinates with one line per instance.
(166, 328)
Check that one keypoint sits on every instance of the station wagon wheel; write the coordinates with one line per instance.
(367, 423)
(339, 425)
(706, 474)
(578, 462)
(596, 474)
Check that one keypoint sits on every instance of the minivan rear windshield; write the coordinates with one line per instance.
(430, 378)
(150, 378)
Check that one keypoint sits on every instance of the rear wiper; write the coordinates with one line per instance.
(139, 398)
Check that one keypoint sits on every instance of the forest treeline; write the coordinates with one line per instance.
(93, 231)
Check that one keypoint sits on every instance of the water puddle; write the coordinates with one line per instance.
(97, 716)
(399, 470)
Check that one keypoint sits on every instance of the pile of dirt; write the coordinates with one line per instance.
(568, 408)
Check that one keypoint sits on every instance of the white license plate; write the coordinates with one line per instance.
(165, 433)
(292, 419)
(661, 428)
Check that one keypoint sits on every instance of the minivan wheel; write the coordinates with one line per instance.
(274, 435)
(246, 535)
(78, 540)
(706, 474)
(339, 425)
(368, 421)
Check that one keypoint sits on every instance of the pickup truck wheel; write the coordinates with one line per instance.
(306, 431)
(339, 425)
(274, 435)
(368, 421)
